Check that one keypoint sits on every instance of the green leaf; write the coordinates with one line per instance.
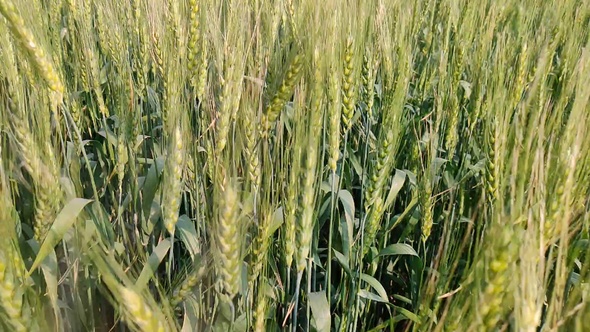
(325, 187)
(398, 219)
(100, 218)
(277, 220)
(353, 159)
(402, 298)
(411, 178)
(410, 315)
(449, 179)
(152, 263)
(343, 260)
(190, 321)
(348, 203)
(109, 135)
(187, 233)
(398, 249)
(345, 228)
(240, 324)
(396, 185)
(50, 274)
(63, 222)
(150, 185)
(478, 168)
(371, 296)
(320, 310)
(467, 87)
(376, 286)
(333, 180)
(403, 311)
(374, 297)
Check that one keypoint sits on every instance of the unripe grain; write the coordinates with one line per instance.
(305, 224)
(190, 281)
(368, 78)
(203, 70)
(173, 180)
(348, 86)
(35, 53)
(45, 174)
(11, 263)
(426, 202)
(273, 110)
(290, 207)
(492, 173)
(260, 313)
(492, 305)
(333, 121)
(194, 37)
(157, 55)
(139, 312)
(228, 241)
(374, 203)
(261, 246)
(251, 151)
(10, 299)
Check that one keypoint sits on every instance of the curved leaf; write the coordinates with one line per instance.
(348, 203)
(396, 185)
(153, 262)
(398, 249)
(376, 286)
(187, 233)
(320, 310)
(63, 222)
(371, 296)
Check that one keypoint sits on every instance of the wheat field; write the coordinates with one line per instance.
(301, 165)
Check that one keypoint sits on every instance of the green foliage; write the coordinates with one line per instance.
(270, 165)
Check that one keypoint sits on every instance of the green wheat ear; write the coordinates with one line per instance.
(348, 85)
(228, 240)
(32, 49)
(273, 110)
(11, 264)
(173, 179)
(139, 312)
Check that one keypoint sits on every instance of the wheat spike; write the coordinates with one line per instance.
(139, 312)
(34, 51)
(348, 86)
(228, 241)
(173, 180)
(190, 281)
(275, 107)
(334, 111)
